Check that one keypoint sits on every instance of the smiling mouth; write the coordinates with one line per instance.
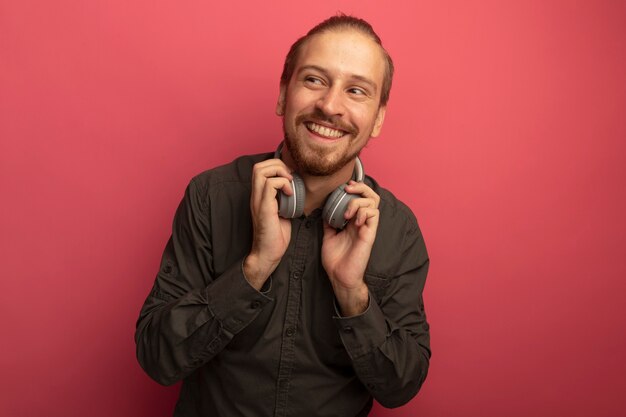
(324, 131)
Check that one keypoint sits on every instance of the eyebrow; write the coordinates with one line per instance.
(361, 78)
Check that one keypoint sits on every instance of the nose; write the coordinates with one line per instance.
(331, 102)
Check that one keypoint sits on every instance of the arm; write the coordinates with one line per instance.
(386, 333)
(190, 315)
(389, 343)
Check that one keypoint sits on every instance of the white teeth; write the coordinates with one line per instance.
(324, 131)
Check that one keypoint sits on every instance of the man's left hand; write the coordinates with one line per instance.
(345, 253)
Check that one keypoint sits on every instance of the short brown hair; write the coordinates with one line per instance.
(340, 21)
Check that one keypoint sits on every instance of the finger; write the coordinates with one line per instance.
(274, 184)
(270, 190)
(355, 204)
(268, 169)
(267, 188)
(274, 171)
(363, 189)
(329, 231)
(368, 216)
(272, 168)
(264, 170)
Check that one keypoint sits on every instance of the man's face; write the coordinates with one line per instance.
(331, 104)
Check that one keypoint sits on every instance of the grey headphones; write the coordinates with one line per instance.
(292, 206)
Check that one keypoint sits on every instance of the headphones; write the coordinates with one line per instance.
(292, 206)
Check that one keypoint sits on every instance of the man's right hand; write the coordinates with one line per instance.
(271, 233)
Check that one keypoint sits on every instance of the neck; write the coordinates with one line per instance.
(319, 187)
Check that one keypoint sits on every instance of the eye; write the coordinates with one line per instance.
(309, 79)
(357, 91)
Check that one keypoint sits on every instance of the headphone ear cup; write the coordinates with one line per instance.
(292, 206)
(336, 207)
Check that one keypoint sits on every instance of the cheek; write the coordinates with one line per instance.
(301, 100)
(292, 109)
(365, 118)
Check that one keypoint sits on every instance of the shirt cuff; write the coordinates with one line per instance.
(233, 301)
(362, 333)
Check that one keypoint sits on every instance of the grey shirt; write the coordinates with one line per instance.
(284, 350)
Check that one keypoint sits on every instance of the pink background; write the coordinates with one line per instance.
(505, 133)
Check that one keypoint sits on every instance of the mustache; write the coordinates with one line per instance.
(321, 118)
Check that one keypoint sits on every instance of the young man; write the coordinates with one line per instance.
(262, 312)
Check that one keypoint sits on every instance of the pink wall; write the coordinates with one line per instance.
(505, 133)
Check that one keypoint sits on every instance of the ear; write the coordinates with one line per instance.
(280, 105)
(378, 123)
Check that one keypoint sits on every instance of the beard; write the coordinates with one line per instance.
(314, 159)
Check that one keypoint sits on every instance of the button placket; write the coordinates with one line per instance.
(300, 243)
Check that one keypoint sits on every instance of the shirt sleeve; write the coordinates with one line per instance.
(190, 314)
(389, 343)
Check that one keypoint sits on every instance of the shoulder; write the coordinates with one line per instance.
(393, 211)
(399, 237)
(235, 174)
(238, 170)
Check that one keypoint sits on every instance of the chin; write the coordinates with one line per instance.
(321, 161)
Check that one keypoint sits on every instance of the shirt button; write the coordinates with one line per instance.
(290, 331)
(307, 224)
(167, 269)
(371, 386)
(296, 275)
(255, 304)
(348, 329)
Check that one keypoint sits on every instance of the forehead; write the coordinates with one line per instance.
(344, 53)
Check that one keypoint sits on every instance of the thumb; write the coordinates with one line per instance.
(329, 231)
